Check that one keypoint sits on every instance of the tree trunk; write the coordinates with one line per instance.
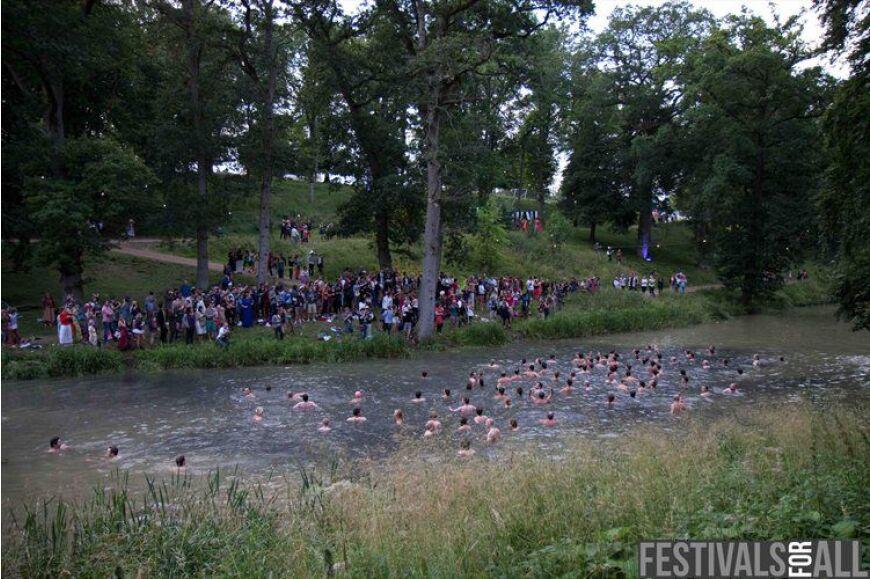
(592, 227)
(202, 257)
(312, 130)
(432, 233)
(268, 138)
(382, 240)
(644, 231)
(203, 166)
(71, 278)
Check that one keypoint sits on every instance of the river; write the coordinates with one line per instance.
(204, 415)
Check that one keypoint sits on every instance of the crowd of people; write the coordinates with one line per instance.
(292, 267)
(354, 303)
(487, 402)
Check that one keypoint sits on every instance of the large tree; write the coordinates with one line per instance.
(69, 70)
(844, 204)
(446, 42)
(264, 49)
(755, 129)
(364, 64)
(592, 185)
(197, 100)
(644, 51)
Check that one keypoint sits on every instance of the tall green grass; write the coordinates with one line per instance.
(56, 361)
(265, 351)
(611, 311)
(778, 473)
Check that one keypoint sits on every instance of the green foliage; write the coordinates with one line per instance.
(759, 164)
(558, 230)
(844, 201)
(789, 471)
(489, 237)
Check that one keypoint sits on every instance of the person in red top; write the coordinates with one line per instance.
(124, 335)
(439, 317)
(65, 328)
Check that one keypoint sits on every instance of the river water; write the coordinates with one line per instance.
(204, 415)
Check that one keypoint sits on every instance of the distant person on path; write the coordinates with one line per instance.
(131, 230)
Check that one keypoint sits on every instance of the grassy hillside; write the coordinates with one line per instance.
(522, 254)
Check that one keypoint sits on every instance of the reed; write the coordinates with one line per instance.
(793, 471)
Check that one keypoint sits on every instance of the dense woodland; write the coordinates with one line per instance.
(114, 109)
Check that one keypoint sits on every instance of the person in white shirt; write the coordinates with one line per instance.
(223, 336)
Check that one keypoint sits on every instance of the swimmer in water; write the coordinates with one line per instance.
(247, 392)
(611, 400)
(357, 416)
(295, 396)
(493, 434)
(55, 445)
(463, 425)
(550, 420)
(465, 409)
(756, 361)
(258, 414)
(112, 452)
(434, 422)
(503, 379)
(305, 404)
(530, 373)
(677, 406)
(542, 397)
(705, 391)
(180, 463)
(357, 397)
(481, 417)
(418, 397)
(514, 424)
(507, 402)
(430, 431)
(446, 395)
(519, 392)
(705, 364)
(398, 417)
(568, 389)
(465, 449)
(731, 389)
(324, 426)
(268, 388)
(493, 365)
(500, 394)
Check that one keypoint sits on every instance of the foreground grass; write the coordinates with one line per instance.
(607, 312)
(792, 472)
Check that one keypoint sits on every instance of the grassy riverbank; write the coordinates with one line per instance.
(584, 315)
(792, 472)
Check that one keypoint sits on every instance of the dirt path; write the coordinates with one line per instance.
(129, 248)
